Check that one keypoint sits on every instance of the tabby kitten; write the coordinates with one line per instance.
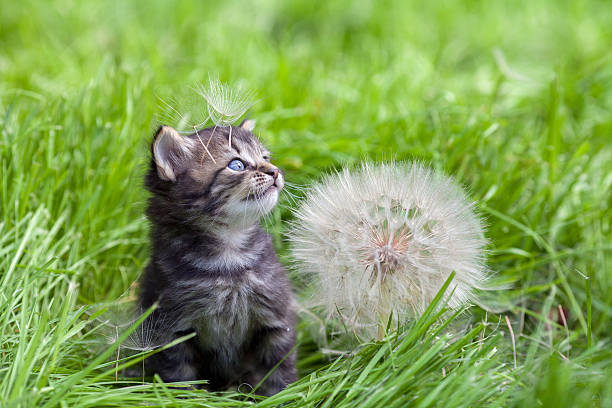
(213, 270)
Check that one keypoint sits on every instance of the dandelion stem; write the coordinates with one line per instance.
(512, 338)
(381, 331)
(588, 294)
(117, 359)
(205, 148)
(143, 367)
(384, 321)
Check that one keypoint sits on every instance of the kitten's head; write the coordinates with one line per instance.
(201, 176)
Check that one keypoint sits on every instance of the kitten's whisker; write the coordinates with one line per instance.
(244, 209)
(256, 198)
(294, 199)
(296, 186)
(266, 215)
(288, 191)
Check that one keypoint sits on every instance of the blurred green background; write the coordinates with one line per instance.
(514, 99)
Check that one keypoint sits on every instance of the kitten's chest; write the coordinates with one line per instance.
(230, 310)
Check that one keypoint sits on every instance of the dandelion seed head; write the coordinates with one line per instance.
(383, 239)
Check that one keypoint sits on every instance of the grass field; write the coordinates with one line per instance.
(514, 99)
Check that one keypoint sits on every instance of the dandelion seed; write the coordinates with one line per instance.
(380, 241)
(119, 316)
(225, 105)
(113, 317)
(146, 337)
(115, 314)
(222, 107)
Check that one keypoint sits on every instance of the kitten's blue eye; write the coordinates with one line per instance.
(236, 165)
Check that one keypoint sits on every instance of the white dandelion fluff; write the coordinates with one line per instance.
(225, 104)
(381, 241)
(118, 317)
(214, 104)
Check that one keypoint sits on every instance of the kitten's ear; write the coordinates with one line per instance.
(248, 124)
(170, 151)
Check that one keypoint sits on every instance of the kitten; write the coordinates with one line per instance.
(213, 269)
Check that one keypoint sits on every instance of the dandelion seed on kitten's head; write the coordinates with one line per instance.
(211, 104)
(225, 105)
(383, 239)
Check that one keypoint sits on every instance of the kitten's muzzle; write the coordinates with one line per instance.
(269, 170)
(277, 184)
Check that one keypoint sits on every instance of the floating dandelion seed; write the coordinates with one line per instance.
(117, 317)
(381, 241)
(225, 105)
(222, 106)
(114, 320)
(146, 337)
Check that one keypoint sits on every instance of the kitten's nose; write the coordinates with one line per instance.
(269, 170)
(273, 172)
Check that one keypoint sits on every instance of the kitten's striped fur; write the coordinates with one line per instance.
(213, 269)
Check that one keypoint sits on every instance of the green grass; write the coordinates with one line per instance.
(512, 98)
